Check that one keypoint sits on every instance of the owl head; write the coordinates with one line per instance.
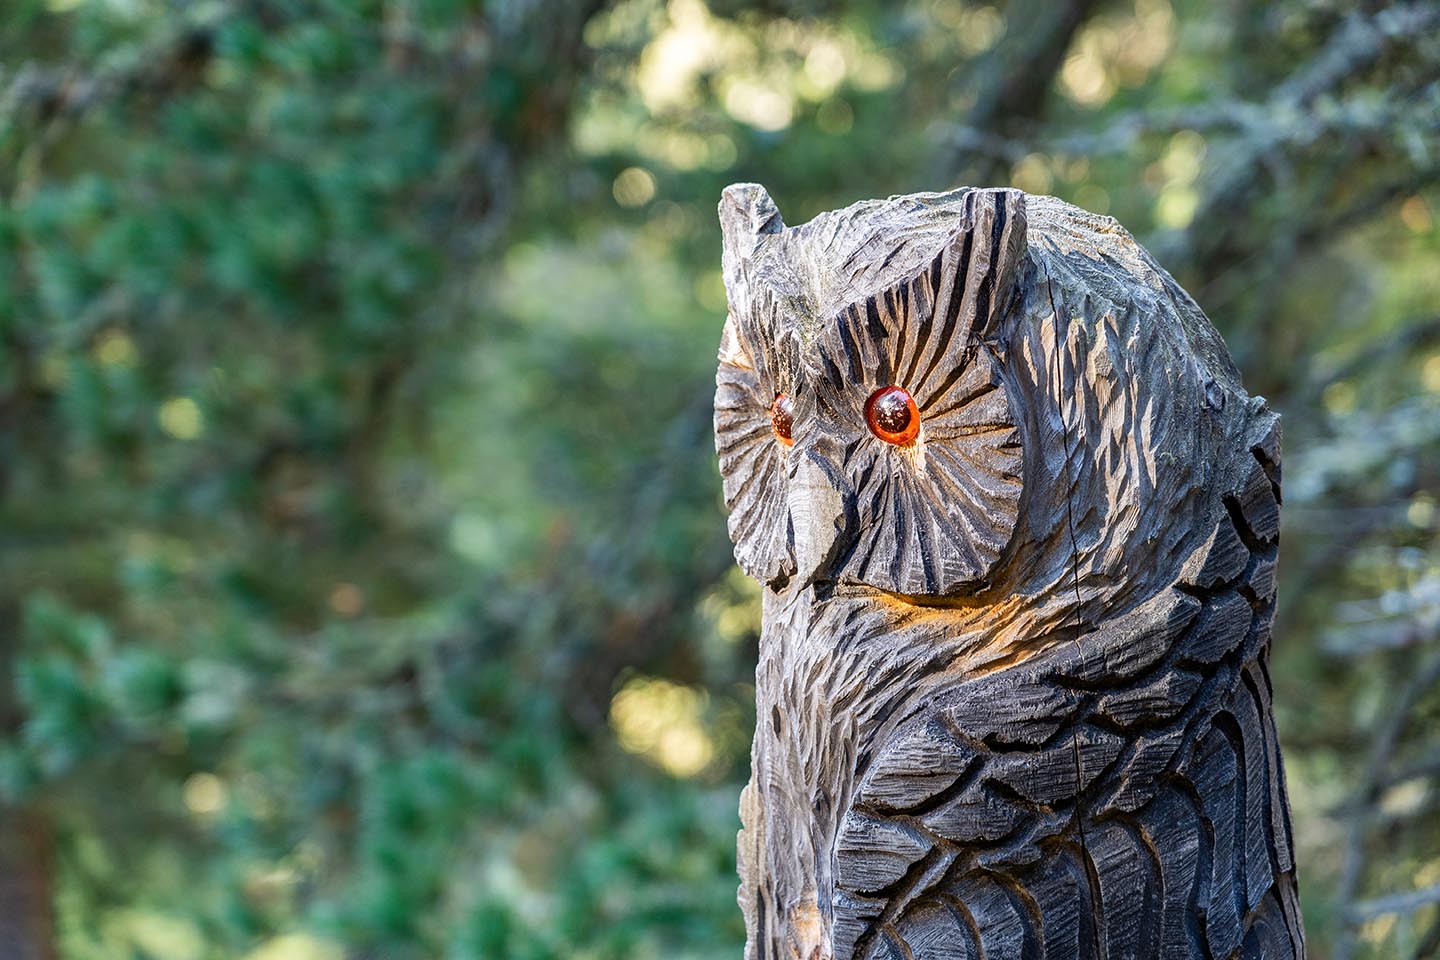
(865, 427)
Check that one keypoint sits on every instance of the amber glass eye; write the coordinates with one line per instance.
(892, 415)
(782, 418)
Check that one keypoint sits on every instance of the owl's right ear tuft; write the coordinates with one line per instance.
(999, 216)
(747, 213)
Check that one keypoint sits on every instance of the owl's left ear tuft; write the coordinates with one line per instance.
(747, 213)
(1000, 216)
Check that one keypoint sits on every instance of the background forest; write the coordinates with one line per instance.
(364, 587)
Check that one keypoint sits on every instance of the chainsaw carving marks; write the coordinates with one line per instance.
(1187, 846)
(940, 510)
(1013, 696)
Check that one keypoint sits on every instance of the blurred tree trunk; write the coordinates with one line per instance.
(27, 930)
(1013, 82)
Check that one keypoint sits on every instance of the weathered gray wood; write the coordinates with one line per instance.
(1012, 693)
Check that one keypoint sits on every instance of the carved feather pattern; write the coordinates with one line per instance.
(750, 374)
(949, 501)
(938, 513)
(1072, 752)
(1158, 725)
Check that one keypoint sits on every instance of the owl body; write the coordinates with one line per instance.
(1013, 695)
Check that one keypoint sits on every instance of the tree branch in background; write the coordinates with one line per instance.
(40, 103)
(1381, 753)
(1014, 80)
(1223, 243)
(1404, 342)
(1395, 903)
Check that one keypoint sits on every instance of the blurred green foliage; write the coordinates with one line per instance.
(366, 586)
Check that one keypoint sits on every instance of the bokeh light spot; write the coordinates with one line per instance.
(1032, 174)
(1430, 373)
(1176, 206)
(115, 349)
(1415, 214)
(662, 722)
(1183, 155)
(758, 105)
(296, 946)
(181, 418)
(825, 66)
(347, 600)
(1339, 397)
(205, 794)
(978, 28)
(473, 536)
(1084, 78)
(634, 187)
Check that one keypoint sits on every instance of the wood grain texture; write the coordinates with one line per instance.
(1013, 695)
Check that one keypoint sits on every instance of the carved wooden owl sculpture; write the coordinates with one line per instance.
(1016, 522)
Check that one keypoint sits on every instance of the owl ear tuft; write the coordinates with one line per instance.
(747, 213)
(999, 215)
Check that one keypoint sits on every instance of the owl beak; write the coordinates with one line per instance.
(819, 504)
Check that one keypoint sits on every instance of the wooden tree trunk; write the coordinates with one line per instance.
(1017, 521)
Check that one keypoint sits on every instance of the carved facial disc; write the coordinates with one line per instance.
(881, 327)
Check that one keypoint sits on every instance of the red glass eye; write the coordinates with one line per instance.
(782, 418)
(892, 415)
